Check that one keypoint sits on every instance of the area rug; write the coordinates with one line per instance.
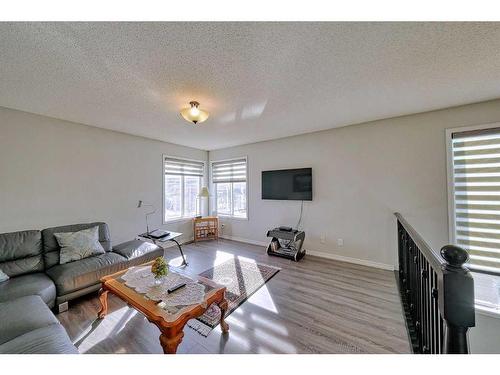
(242, 279)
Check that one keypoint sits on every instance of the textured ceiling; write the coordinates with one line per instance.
(259, 81)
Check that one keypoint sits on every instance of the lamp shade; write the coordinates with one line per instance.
(194, 114)
(204, 192)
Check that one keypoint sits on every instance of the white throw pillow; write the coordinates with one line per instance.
(79, 245)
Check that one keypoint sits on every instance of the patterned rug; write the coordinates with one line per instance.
(241, 279)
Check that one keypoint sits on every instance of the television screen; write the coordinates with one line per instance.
(287, 184)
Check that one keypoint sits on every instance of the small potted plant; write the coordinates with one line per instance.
(159, 269)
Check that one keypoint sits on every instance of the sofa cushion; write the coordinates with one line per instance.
(51, 246)
(21, 252)
(79, 245)
(27, 285)
(86, 272)
(22, 315)
(52, 339)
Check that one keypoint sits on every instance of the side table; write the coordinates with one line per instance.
(160, 242)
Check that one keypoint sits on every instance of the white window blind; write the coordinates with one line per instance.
(182, 185)
(476, 189)
(229, 171)
(183, 167)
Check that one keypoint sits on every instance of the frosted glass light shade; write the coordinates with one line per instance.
(194, 114)
(204, 192)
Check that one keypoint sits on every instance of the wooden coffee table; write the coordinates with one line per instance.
(170, 324)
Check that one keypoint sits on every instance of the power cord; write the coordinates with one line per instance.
(300, 217)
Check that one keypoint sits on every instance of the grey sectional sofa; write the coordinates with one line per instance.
(38, 282)
(27, 326)
(75, 279)
(21, 258)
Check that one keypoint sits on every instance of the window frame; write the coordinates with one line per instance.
(202, 181)
(450, 176)
(451, 198)
(213, 187)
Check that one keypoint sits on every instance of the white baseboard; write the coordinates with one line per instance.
(341, 258)
(245, 240)
(362, 262)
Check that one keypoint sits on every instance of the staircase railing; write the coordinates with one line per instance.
(437, 293)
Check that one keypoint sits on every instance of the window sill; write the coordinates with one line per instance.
(487, 311)
(181, 219)
(487, 292)
(228, 217)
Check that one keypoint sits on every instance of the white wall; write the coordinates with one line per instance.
(485, 336)
(55, 172)
(361, 175)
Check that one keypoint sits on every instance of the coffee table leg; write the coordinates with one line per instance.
(223, 305)
(170, 341)
(103, 298)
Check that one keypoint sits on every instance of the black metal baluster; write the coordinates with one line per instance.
(441, 334)
(424, 303)
(438, 321)
(409, 291)
(437, 293)
(431, 323)
(417, 297)
(420, 301)
(412, 287)
(425, 307)
(429, 301)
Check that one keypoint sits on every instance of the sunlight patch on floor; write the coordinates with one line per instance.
(239, 311)
(111, 325)
(249, 260)
(239, 339)
(175, 262)
(233, 321)
(273, 341)
(271, 325)
(262, 297)
(221, 257)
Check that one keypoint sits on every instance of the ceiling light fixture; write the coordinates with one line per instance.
(194, 114)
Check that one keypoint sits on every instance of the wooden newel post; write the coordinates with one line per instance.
(456, 300)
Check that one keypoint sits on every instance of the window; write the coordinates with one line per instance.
(183, 179)
(230, 184)
(474, 176)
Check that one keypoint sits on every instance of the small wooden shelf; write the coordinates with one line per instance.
(206, 228)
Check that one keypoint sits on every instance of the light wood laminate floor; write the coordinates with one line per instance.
(314, 306)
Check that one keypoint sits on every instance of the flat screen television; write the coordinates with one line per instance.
(287, 184)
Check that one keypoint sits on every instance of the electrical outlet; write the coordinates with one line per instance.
(322, 238)
(340, 242)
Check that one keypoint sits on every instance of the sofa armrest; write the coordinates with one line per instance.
(135, 248)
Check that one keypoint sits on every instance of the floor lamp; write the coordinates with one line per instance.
(204, 193)
(143, 204)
